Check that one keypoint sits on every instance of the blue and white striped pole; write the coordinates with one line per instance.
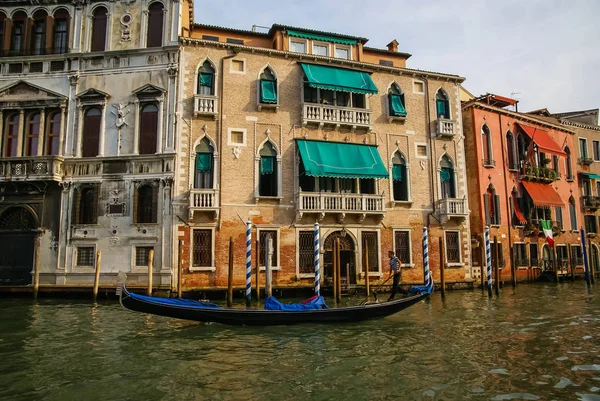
(426, 275)
(488, 260)
(316, 260)
(248, 262)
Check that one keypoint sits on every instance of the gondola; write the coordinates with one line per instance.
(207, 312)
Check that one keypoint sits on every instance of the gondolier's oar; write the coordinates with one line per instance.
(374, 292)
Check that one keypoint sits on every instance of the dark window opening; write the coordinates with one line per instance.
(452, 247)
(204, 165)
(306, 252)
(267, 185)
(202, 248)
(142, 255)
(148, 129)
(87, 211)
(146, 204)
(91, 132)
(85, 256)
(206, 79)
(99, 25)
(155, 25)
(235, 41)
(402, 246)
(263, 244)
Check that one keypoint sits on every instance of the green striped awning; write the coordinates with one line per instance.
(338, 79)
(346, 160)
(591, 175)
(324, 38)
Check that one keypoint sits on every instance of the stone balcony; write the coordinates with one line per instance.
(340, 204)
(203, 200)
(590, 203)
(449, 208)
(205, 106)
(143, 165)
(445, 128)
(37, 168)
(323, 114)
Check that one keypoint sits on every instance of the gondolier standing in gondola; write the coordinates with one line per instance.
(395, 270)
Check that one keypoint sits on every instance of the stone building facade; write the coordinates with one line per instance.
(88, 123)
(522, 169)
(292, 127)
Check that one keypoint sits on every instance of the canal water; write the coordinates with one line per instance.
(535, 342)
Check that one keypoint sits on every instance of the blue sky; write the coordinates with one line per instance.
(548, 50)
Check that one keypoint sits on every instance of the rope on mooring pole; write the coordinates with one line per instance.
(488, 260)
(585, 259)
(316, 260)
(248, 262)
(428, 280)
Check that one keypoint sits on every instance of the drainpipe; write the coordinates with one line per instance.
(220, 131)
(509, 216)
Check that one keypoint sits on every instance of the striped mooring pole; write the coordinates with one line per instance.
(426, 275)
(316, 260)
(248, 262)
(585, 256)
(488, 260)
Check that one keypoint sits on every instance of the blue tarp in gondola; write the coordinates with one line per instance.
(271, 303)
(190, 303)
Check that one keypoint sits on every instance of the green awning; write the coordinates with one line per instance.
(591, 176)
(338, 79)
(324, 38)
(267, 91)
(331, 159)
(397, 106)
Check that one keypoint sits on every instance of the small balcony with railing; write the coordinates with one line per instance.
(539, 174)
(337, 116)
(449, 208)
(590, 202)
(340, 204)
(203, 200)
(205, 106)
(40, 168)
(445, 127)
(585, 160)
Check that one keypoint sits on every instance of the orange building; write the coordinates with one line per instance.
(521, 171)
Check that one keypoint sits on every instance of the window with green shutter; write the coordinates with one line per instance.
(268, 86)
(442, 105)
(396, 101)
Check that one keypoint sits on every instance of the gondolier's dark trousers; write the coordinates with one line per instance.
(395, 285)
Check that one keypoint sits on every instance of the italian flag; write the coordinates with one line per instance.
(547, 227)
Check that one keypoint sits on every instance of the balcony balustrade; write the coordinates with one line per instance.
(31, 168)
(323, 114)
(445, 127)
(205, 105)
(452, 208)
(340, 203)
(203, 200)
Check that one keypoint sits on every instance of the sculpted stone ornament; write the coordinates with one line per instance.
(121, 112)
(237, 151)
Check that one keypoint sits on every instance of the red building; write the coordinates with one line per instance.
(521, 170)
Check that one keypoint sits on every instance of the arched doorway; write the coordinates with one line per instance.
(547, 258)
(347, 248)
(17, 236)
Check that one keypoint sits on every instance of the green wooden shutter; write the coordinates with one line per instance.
(497, 209)
(397, 108)
(268, 92)
(397, 172)
(486, 207)
(267, 165)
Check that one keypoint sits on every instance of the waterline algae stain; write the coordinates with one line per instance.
(469, 347)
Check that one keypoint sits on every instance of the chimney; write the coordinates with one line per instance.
(393, 46)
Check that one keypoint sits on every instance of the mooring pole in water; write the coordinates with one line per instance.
(230, 275)
(180, 269)
(248, 263)
(427, 277)
(513, 269)
(488, 260)
(571, 267)
(334, 269)
(367, 282)
(482, 262)
(591, 262)
(268, 255)
(316, 259)
(150, 270)
(442, 267)
(585, 259)
(257, 269)
(97, 276)
(339, 271)
(497, 265)
(36, 266)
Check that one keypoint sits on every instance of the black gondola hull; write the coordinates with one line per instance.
(259, 317)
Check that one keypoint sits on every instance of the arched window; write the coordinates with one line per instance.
(569, 164)
(17, 38)
(203, 177)
(87, 206)
(573, 213)
(12, 135)
(399, 177)
(511, 151)
(155, 25)
(2, 26)
(38, 33)
(53, 134)
(60, 39)
(206, 79)
(486, 143)
(91, 132)
(99, 27)
(268, 86)
(148, 129)
(521, 147)
(442, 105)
(491, 204)
(396, 101)
(447, 178)
(146, 204)
(32, 137)
(267, 185)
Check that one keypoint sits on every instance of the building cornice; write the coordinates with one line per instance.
(580, 125)
(330, 60)
(516, 115)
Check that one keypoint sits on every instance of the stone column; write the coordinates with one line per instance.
(61, 138)
(77, 141)
(136, 129)
(102, 130)
(161, 124)
(2, 140)
(42, 133)
(20, 134)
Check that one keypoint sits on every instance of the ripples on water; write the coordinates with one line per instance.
(538, 342)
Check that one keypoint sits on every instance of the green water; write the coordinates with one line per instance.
(538, 342)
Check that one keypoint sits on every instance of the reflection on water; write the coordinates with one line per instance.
(532, 343)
